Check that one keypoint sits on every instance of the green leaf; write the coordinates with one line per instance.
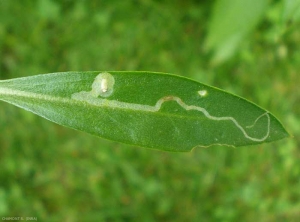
(231, 21)
(291, 10)
(147, 109)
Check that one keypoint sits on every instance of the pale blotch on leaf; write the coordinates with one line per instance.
(202, 93)
(103, 85)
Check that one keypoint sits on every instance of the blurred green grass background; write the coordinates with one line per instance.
(58, 174)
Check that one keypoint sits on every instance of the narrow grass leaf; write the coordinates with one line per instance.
(291, 10)
(230, 22)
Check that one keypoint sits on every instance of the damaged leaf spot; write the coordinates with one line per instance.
(103, 87)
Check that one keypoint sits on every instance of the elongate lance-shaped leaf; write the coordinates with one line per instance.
(147, 109)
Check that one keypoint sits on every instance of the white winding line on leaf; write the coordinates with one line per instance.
(103, 86)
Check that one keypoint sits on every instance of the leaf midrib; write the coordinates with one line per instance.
(20, 93)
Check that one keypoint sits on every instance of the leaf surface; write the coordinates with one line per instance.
(291, 10)
(230, 23)
(147, 109)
